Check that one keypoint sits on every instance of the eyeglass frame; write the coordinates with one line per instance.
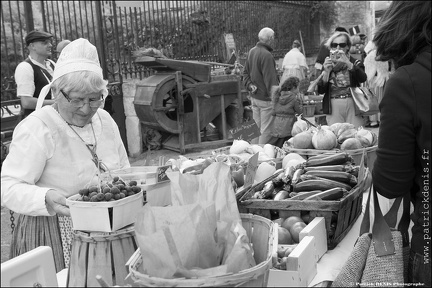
(341, 45)
(90, 102)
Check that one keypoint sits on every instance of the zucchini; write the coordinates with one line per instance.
(330, 194)
(281, 195)
(276, 190)
(319, 156)
(335, 175)
(303, 195)
(305, 177)
(335, 159)
(328, 168)
(319, 184)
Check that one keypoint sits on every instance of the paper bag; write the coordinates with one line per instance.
(214, 184)
(176, 239)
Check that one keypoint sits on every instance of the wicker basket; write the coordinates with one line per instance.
(308, 110)
(356, 154)
(262, 236)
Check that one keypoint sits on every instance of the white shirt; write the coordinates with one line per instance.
(294, 59)
(46, 154)
(24, 76)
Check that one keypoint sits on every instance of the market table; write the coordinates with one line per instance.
(330, 264)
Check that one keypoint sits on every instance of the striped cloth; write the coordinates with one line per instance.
(34, 231)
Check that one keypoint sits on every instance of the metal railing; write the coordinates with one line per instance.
(185, 30)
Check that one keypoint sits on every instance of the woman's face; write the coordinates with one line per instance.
(77, 108)
(337, 44)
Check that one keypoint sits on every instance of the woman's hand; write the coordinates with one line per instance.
(343, 58)
(57, 202)
(328, 64)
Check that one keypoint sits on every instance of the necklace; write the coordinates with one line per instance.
(91, 148)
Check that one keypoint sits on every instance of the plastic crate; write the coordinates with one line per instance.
(104, 216)
(141, 174)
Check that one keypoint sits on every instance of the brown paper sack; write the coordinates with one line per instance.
(176, 239)
(214, 184)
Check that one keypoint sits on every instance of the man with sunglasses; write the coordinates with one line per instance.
(341, 71)
(35, 72)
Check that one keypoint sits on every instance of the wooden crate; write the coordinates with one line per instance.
(346, 210)
(340, 214)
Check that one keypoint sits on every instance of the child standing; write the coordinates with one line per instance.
(286, 102)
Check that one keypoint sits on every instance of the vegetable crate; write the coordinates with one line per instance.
(356, 154)
(262, 235)
(104, 216)
(339, 215)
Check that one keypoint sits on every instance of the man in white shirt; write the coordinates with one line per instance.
(294, 63)
(35, 72)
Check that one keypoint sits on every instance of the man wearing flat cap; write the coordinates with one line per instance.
(294, 63)
(35, 72)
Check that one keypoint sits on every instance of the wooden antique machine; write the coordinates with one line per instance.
(182, 98)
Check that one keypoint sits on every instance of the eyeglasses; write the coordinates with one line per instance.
(341, 45)
(78, 103)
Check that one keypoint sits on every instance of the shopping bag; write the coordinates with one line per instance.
(366, 102)
(377, 258)
(391, 219)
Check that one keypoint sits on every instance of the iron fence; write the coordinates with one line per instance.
(185, 30)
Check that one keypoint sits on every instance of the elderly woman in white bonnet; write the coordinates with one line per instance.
(58, 150)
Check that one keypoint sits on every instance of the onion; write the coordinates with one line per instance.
(302, 140)
(348, 133)
(342, 128)
(324, 139)
(351, 144)
(239, 146)
(365, 137)
(299, 126)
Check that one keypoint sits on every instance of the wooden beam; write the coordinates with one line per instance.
(215, 88)
(180, 111)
